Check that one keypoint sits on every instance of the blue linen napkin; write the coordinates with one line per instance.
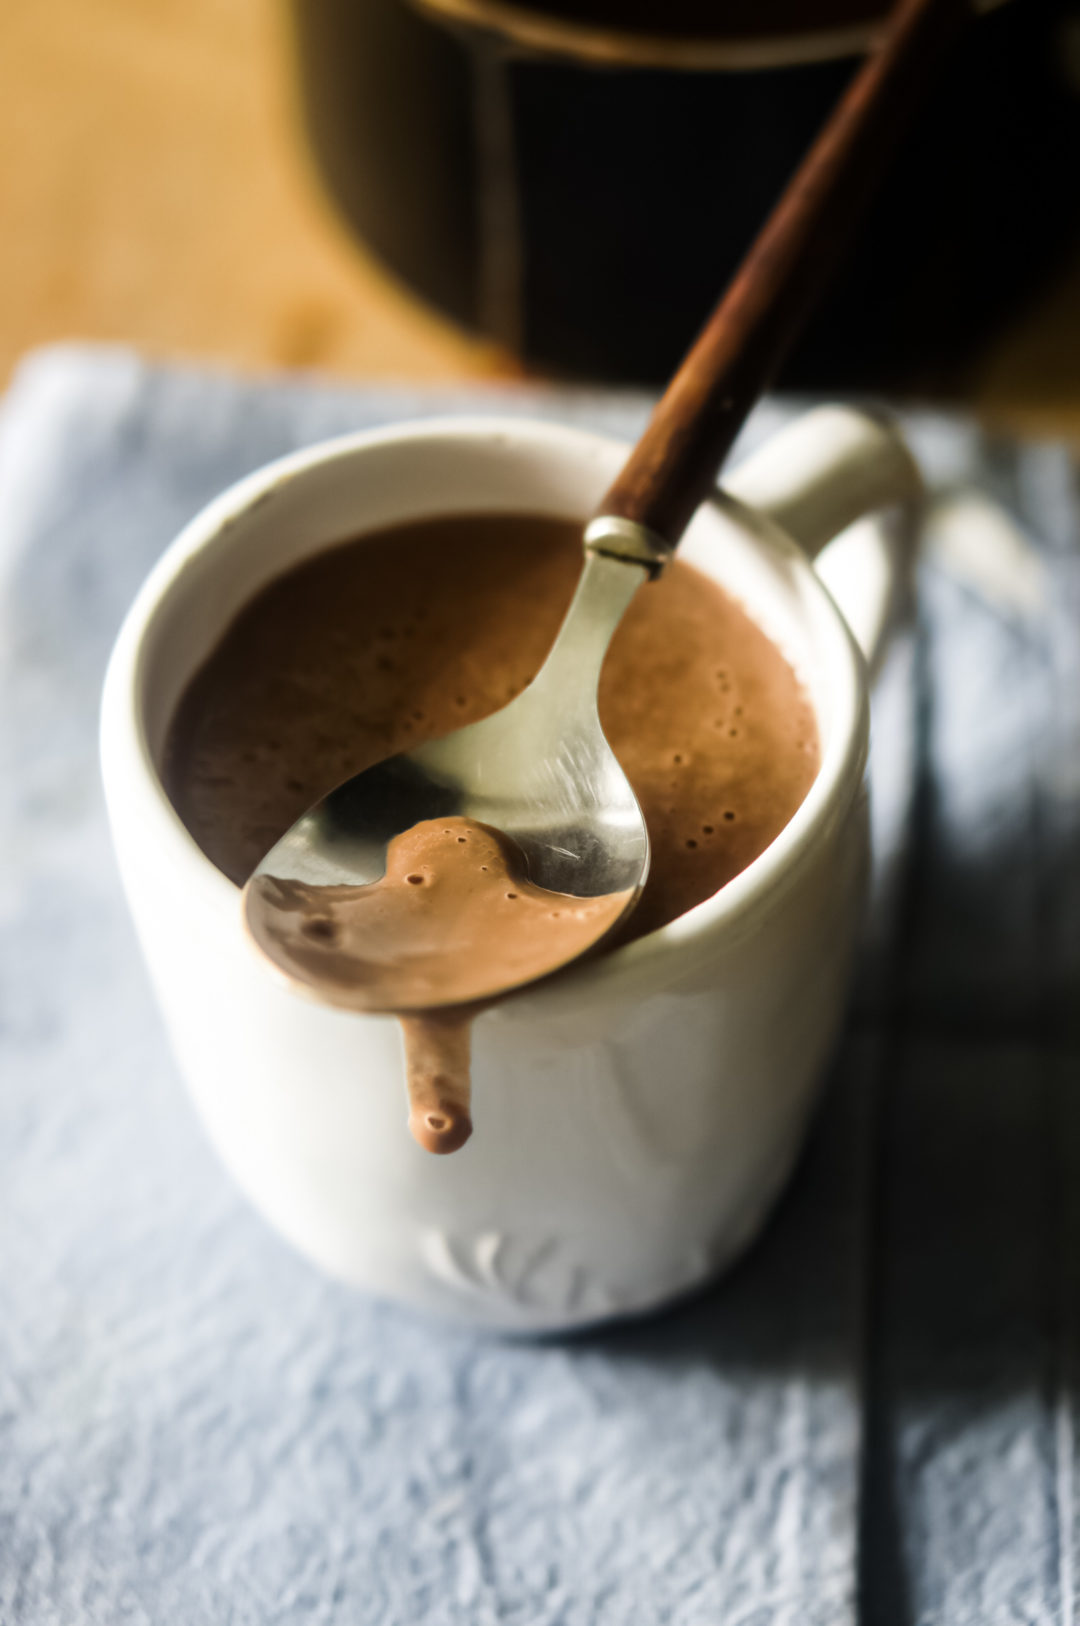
(873, 1415)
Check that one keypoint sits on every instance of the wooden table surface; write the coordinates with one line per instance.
(154, 189)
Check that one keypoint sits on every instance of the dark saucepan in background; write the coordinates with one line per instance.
(577, 178)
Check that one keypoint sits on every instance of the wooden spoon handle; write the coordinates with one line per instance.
(675, 463)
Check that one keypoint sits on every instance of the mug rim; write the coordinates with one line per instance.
(129, 768)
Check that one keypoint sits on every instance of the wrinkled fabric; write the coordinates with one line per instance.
(873, 1417)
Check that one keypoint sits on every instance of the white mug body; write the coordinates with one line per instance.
(634, 1117)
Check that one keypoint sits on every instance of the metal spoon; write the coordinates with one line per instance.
(540, 770)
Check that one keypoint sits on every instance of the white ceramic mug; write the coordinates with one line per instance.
(634, 1117)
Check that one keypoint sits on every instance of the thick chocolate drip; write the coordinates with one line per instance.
(452, 919)
(437, 1046)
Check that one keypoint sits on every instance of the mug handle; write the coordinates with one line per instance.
(817, 479)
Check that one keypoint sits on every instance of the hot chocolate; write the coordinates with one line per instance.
(379, 643)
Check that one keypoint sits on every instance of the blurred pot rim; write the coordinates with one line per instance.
(530, 31)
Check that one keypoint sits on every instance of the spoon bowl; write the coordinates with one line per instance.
(539, 770)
